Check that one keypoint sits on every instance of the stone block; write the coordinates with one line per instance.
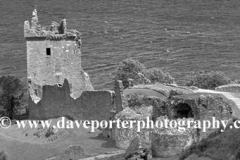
(124, 136)
(168, 142)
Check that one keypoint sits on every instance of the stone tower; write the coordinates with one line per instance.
(53, 55)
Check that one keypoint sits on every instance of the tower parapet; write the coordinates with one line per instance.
(33, 30)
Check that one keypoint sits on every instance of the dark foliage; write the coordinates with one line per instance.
(208, 80)
(10, 95)
(133, 69)
(156, 75)
(3, 156)
(136, 99)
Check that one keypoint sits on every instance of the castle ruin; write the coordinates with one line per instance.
(54, 54)
(58, 86)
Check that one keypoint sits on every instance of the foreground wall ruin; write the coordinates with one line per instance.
(56, 101)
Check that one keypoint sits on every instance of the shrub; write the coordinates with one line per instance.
(133, 69)
(130, 69)
(10, 94)
(49, 132)
(136, 99)
(3, 156)
(156, 75)
(237, 155)
(208, 80)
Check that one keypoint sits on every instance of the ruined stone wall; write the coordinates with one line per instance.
(204, 107)
(121, 100)
(229, 88)
(171, 141)
(56, 101)
(124, 136)
(63, 63)
(136, 101)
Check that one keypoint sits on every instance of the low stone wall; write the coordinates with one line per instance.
(229, 88)
(56, 102)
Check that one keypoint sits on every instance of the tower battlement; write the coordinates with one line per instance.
(33, 30)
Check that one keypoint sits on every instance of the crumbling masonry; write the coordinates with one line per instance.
(53, 54)
(58, 86)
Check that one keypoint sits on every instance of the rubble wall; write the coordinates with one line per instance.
(204, 107)
(56, 101)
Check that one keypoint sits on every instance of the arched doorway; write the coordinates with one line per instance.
(183, 110)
